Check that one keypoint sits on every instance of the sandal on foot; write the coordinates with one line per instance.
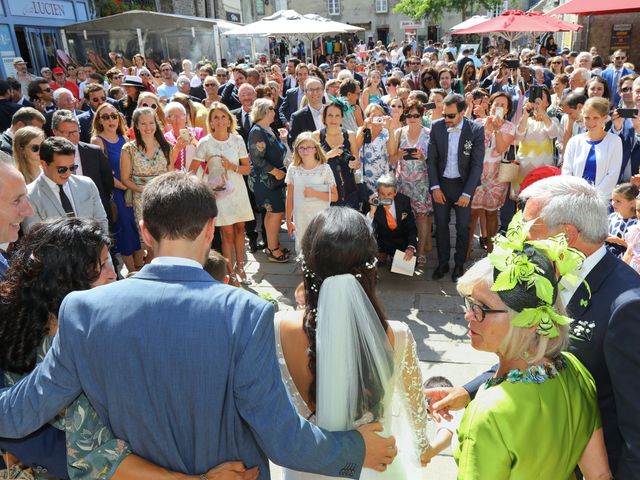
(282, 258)
(241, 275)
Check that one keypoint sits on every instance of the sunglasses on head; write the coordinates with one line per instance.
(150, 105)
(34, 148)
(62, 170)
(107, 116)
(451, 116)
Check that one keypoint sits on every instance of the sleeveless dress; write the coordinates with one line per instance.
(412, 175)
(304, 209)
(143, 170)
(125, 228)
(343, 175)
(409, 411)
(375, 160)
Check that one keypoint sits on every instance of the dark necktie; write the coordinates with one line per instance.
(66, 203)
(247, 123)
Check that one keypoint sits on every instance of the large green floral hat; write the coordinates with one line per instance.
(527, 275)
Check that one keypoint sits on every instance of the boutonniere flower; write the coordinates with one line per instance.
(404, 215)
(468, 145)
(582, 330)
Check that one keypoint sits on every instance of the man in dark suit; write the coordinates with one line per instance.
(16, 93)
(229, 91)
(64, 100)
(615, 72)
(94, 96)
(351, 61)
(454, 162)
(7, 106)
(309, 118)
(92, 162)
(413, 77)
(290, 80)
(605, 327)
(293, 96)
(393, 221)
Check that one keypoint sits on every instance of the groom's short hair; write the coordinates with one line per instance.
(177, 205)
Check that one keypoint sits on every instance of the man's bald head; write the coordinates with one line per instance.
(14, 204)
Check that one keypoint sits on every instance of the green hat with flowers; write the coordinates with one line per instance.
(527, 275)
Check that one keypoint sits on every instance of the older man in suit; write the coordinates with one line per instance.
(64, 100)
(454, 162)
(56, 192)
(225, 407)
(90, 160)
(309, 118)
(393, 220)
(604, 308)
(293, 96)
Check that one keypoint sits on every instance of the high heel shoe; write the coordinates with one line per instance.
(241, 275)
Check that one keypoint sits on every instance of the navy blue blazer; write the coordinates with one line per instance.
(229, 96)
(630, 148)
(183, 368)
(85, 119)
(301, 121)
(470, 159)
(609, 350)
(609, 75)
(290, 104)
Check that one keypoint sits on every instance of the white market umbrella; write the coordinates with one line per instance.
(470, 22)
(288, 23)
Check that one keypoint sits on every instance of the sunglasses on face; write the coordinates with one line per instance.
(34, 148)
(414, 115)
(209, 84)
(166, 69)
(107, 116)
(626, 90)
(100, 99)
(145, 74)
(63, 170)
(450, 116)
(48, 89)
(557, 63)
(152, 105)
(620, 58)
(428, 78)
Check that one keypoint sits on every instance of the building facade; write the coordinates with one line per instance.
(31, 29)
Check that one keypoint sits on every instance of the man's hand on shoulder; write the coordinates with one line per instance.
(379, 451)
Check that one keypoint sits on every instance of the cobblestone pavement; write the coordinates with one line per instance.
(432, 309)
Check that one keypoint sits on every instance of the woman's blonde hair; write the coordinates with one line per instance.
(260, 108)
(307, 137)
(21, 139)
(600, 105)
(97, 121)
(158, 111)
(233, 122)
(520, 343)
(371, 107)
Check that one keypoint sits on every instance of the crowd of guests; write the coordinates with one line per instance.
(400, 141)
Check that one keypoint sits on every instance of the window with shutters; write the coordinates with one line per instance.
(382, 6)
(334, 7)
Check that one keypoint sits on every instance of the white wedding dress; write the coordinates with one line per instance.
(406, 419)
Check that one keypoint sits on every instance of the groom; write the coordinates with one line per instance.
(181, 366)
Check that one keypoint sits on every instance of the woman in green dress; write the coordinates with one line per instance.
(537, 418)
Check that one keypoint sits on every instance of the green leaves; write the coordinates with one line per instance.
(544, 317)
(434, 9)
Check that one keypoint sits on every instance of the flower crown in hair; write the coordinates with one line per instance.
(521, 265)
(315, 281)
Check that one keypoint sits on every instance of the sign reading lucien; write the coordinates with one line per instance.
(55, 9)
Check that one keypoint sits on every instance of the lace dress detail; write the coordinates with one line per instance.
(408, 419)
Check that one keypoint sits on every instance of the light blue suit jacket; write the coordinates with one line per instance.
(184, 369)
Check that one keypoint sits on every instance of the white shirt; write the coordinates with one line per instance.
(176, 261)
(317, 116)
(56, 190)
(451, 170)
(76, 160)
(589, 263)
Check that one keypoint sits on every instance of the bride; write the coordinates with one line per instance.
(343, 363)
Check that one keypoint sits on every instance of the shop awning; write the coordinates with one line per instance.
(596, 7)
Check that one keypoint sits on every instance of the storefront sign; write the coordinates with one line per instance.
(56, 9)
(410, 24)
(621, 36)
(6, 45)
(9, 69)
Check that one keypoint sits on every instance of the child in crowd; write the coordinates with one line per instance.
(632, 237)
(623, 202)
(311, 186)
(300, 297)
(446, 429)
(217, 266)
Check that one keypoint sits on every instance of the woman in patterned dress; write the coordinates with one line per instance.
(375, 154)
(491, 194)
(411, 173)
(144, 158)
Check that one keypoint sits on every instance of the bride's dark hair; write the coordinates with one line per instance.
(54, 258)
(337, 241)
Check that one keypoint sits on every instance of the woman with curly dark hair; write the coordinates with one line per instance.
(343, 363)
(54, 259)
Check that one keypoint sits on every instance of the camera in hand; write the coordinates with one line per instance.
(367, 135)
(535, 93)
(385, 202)
(512, 63)
(410, 153)
(627, 112)
(430, 106)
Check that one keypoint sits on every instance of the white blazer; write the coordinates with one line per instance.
(608, 161)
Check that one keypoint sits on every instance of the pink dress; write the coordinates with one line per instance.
(490, 194)
(186, 154)
(632, 237)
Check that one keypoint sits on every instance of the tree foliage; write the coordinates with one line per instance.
(434, 9)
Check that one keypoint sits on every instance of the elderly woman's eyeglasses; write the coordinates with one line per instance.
(479, 311)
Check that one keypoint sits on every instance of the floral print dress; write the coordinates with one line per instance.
(412, 175)
(375, 160)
